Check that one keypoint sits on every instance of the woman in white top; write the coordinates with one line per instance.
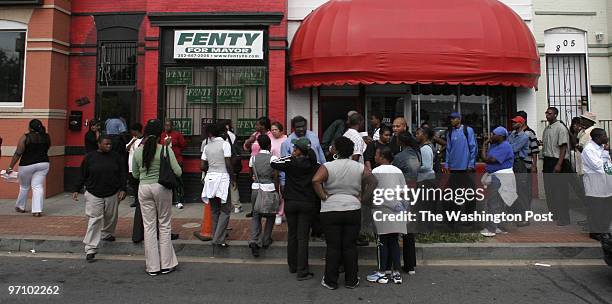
(387, 231)
(217, 165)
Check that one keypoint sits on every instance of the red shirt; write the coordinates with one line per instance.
(178, 143)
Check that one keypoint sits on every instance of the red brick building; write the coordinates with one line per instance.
(91, 59)
(35, 49)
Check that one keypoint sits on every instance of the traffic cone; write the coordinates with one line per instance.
(205, 233)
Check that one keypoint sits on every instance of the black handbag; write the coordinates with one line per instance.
(167, 178)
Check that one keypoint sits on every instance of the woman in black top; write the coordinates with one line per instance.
(300, 208)
(33, 166)
(92, 136)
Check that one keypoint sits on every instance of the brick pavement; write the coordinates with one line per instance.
(64, 217)
(75, 226)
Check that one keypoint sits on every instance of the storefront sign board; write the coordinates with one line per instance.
(218, 44)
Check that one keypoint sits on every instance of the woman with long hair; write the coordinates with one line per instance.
(338, 183)
(33, 166)
(155, 201)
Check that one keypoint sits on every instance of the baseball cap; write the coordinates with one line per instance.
(590, 116)
(518, 119)
(454, 115)
(301, 143)
(500, 131)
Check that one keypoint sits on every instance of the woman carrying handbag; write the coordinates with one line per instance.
(264, 196)
(156, 168)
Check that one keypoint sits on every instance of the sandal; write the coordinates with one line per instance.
(17, 209)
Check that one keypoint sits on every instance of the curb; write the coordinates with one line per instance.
(240, 249)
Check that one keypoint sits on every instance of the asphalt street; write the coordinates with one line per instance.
(124, 281)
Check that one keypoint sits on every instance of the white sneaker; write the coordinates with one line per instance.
(179, 206)
(237, 210)
(378, 277)
(487, 233)
(397, 278)
(278, 221)
(500, 231)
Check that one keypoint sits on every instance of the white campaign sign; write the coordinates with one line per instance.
(218, 44)
(565, 43)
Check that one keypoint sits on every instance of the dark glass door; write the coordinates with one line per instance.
(124, 104)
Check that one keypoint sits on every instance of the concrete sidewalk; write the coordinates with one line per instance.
(64, 224)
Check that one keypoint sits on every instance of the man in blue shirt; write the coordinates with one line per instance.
(461, 146)
(461, 150)
(519, 140)
(299, 125)
(115, 125)
(498, 157)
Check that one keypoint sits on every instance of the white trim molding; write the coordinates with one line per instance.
(56, 7)
(20, 113)
(12, 25)
(48, 49)
(66, 44)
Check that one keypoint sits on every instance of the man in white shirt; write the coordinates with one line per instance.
(355, 123)
(598, 182)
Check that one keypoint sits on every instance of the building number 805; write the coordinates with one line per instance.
(570, 43)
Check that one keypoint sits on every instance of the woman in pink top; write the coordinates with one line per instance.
(278, 137)
(262, 126)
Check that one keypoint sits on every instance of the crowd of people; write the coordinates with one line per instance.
(324, 190)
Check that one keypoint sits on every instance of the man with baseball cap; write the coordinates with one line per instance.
(461, 151)
(519, 140)
(588, 121)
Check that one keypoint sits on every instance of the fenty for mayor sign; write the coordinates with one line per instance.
(209, 44)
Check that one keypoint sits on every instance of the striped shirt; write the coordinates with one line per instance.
(534, 148)
(357, 140)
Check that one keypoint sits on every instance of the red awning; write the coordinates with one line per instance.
(481, 42)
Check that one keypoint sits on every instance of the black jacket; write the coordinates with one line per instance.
(102, 174)
(298, 177)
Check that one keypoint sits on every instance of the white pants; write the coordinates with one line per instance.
(32, 176)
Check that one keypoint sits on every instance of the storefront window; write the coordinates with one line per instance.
(241, 96)
(433, 104)
(12, 56)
